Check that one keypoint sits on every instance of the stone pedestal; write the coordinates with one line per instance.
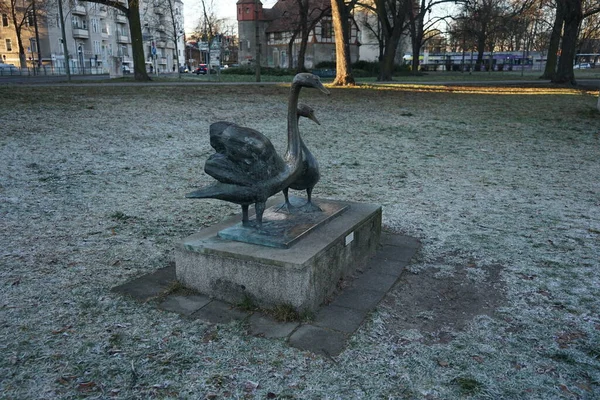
(302, 275)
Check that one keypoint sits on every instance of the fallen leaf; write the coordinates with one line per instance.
(443, 363)
(87, 386)
(479, 359)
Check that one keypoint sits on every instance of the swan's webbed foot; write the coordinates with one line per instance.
(310, 207)
(286, 208)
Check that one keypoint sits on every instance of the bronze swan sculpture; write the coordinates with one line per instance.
(310, 175)
(246, 165)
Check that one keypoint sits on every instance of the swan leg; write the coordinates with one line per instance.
(309, 206)
(245, 221)
(287, 206)
(260, 209)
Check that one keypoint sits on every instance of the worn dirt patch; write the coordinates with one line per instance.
(438, 302)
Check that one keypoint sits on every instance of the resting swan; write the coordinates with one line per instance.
(246, 165)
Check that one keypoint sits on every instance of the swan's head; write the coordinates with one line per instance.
(309, 80)
(307, 112)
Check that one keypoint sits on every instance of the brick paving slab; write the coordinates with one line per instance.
(371, 279)
(218, 312)
(264, 326)
(358, 298)
(392, 239)
(342, 319)
(333, 323)
(318, 340)
(184, 305)
(148, 286)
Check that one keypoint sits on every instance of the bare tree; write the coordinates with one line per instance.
(24, 16)
(304, 17)
(572, 13)
(340, 15)
(418, 10)
(392, 15)
(132, 12)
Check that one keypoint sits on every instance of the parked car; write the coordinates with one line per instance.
(202, 69)
(582, 66)
(183, 70)
(126, 69)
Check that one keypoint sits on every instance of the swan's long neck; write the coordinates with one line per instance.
(292, 155)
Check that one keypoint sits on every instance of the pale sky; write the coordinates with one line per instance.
(223, 8)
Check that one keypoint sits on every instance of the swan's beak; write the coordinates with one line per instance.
(313, 118)
(322, 88)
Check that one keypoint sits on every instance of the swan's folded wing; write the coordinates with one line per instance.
(224, 170)
(238, 142)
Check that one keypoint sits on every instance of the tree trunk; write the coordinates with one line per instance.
(343, 69)
(573, 17)
(291, 50)
(137, 44)
(416, 36)
(552, 57)
(302, 53)
(387, 62)
(303, 7)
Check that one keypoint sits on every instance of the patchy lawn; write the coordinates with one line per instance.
(500, 184)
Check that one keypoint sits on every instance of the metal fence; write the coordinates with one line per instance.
(47, 70)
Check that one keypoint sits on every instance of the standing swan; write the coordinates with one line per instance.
(308, 178)
(246, 166)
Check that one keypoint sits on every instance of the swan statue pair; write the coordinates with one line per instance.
(247, 168)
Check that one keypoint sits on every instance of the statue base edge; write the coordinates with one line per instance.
(302, 276)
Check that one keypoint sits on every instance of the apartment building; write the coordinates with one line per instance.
(97, 36)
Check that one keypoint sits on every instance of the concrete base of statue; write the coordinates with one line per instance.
(295, 259)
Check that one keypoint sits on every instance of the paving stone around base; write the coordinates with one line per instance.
(319, 340)
(219, 312)
(333, 323)
(148, 286)
(184, 305)
(267, 327)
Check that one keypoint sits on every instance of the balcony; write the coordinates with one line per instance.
(79, 33)
(162, 61)
(161, 44)
(102, 12)
(123, 39)
(160, 28)
(79, 10)
(159, 11)
(121, 19)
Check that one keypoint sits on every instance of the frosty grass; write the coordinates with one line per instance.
(92, 185)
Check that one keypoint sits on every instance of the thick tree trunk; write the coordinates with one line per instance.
(573, 17)
(552, 57)
(339, 15)
(291, 50)
(416, 49)
(137, 44)
(302, 53)
(391, 31)
(386, 64)
(480, 52)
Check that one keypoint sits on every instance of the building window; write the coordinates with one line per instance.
(4, 19)
(8, 43)
(277, 36)
(95, 25)
(326, 29)
(29, 20)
